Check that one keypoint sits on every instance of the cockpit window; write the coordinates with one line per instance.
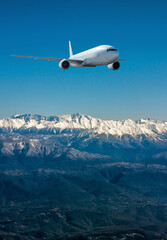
(111, 49)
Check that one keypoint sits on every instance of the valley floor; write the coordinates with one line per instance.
(95, 200)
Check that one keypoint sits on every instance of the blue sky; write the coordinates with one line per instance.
(138, 29)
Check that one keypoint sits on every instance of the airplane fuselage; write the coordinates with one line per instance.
(101, 55)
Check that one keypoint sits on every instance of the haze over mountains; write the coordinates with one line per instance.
(78, 177)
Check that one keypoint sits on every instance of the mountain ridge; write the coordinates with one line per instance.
(79, 137)
(84, 122)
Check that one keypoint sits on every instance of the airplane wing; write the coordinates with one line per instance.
(50, 59)
(46, 58)
(75, 61)
(119, 60)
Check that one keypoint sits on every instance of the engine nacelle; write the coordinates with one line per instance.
(114, 66)
(64, 64)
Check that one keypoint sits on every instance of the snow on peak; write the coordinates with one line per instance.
(79, 121)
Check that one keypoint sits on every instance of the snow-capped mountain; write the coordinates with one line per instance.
(82, 122)
(81, 137)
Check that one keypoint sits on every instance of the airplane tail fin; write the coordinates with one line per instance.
(70, 49)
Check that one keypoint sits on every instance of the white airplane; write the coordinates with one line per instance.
(98, 56)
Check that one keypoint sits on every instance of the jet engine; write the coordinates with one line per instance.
(114, 66)
(64, 64)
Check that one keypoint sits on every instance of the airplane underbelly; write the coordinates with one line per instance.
(101, 60)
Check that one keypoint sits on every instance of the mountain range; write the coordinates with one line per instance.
(78, 177)
(78, 122)
(79, 136)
